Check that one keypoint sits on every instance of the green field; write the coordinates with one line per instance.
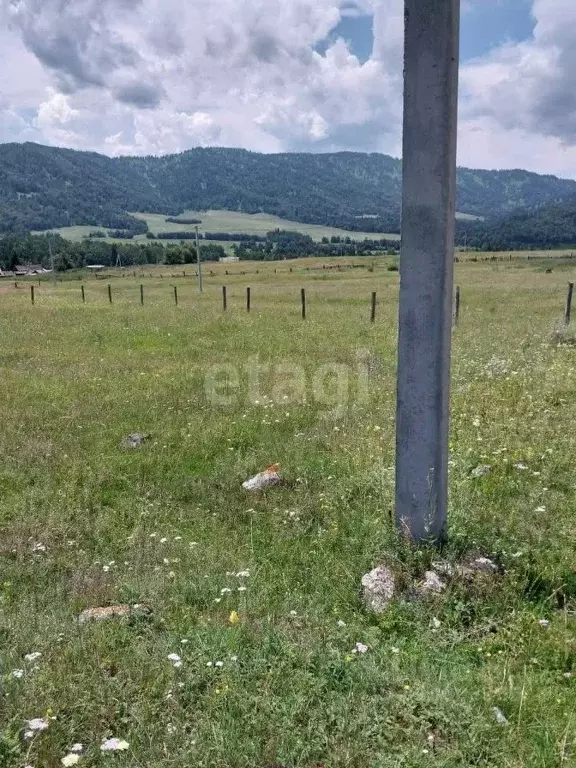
(229, 222)
(85, 523)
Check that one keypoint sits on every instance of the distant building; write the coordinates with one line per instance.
(96, 267)
(228, 259)
(30, 269)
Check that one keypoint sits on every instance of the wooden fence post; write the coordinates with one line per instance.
(141, 294)
(247, 299)
(224, 301)
(32, 293)
(303, 299)
(457, 306)
(83, 295)
(109, 293)
(373, 312)
(568, 315)
(176, 295)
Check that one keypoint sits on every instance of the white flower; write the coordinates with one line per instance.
(114, 745)
(476, 422)
(70, 759)
(177, 538)
(39, 547)
(170, 728)
(233, 658)
(38, 724)
(163, 540)
(360, 648)
(184, 641)
(105, 568)
(219, 664)
(174, 658)
(33, 656)
(520, 465)
(18, 673)
(395, 650)
(208, 663)
(77, 748)
(436, 623)
(540, 509)
(225, 590)
(243, 574)
(340, 623)
(544, 623)
(293, 613)
(241, 589)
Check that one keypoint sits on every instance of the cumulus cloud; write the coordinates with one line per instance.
(158, 76)
(528, 87)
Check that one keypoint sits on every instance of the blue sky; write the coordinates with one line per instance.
(485, 25)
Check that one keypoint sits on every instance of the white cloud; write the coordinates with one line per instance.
(158, 76)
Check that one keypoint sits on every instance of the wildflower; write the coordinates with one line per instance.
(105, 568)
(225, 591)
(436, 623)
(242, 589)
(540, 509)
(360, 648)
(293, 613)
(175, 659)
(18, 673)
(395, 650)
(71, 759)
(177, 538)
(33, 656)
(233, 658)
(544, 623)
(218, 663)
(114, 745)
(163, 540)
(234, 618)
(520, 465)
(243, 574)
(208, 663)
(39, 547)
(340, 623)
(184, 641)
(77, 748)
(38, 724)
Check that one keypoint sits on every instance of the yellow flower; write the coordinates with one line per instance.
(234, 618)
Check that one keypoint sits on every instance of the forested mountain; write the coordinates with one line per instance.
(545, 227)
(44, 187)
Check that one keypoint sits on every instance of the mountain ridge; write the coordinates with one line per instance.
(45, 187)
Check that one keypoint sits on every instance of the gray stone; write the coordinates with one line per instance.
(432, 583)
(379, 587)
(134, 440)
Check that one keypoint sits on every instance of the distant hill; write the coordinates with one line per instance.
(46, 187)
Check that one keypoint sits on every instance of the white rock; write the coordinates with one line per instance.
(433, 583)
(379, 587)
(499, 716)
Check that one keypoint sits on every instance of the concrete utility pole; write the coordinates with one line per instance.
(198, 261)
(426, 266)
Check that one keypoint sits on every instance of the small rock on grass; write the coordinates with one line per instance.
(481, 470)
(112, 612)
(499, 716)
(432, 583)
(379, 587)
(134, 440)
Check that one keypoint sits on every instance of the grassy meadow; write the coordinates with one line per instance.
(229, 222)
(256, 597)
